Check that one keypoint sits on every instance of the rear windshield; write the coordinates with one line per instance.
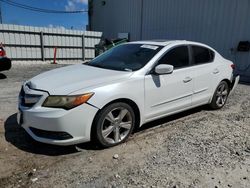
(126, 57)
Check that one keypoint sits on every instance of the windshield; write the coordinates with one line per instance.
(126, 57)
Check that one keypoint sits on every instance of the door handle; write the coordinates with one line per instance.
(216, 71)
(187, 79)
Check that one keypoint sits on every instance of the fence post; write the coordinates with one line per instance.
(42, 46)
(55, 49)
(83, 47)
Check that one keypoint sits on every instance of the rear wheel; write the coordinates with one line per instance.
(220, 96)
(113, 124)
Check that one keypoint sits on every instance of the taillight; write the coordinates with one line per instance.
(233, 66)
(2, 53)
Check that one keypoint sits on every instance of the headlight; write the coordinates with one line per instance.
(66, 102)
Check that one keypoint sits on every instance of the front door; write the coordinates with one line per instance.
(169, 93)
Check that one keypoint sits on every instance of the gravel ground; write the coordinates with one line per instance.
(197, 148)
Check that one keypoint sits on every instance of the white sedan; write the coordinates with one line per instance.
(124, 88)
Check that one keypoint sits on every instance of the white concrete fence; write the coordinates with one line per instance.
(24, 43)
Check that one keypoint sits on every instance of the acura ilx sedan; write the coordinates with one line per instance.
(105, 99)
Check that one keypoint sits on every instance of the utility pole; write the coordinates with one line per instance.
(1, 19)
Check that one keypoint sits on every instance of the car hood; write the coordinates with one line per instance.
(63, 81)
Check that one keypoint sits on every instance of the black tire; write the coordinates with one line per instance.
(102, 120)
(220, 93)
(5, 64)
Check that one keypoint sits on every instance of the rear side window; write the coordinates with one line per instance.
(202, 55)
(178, 57)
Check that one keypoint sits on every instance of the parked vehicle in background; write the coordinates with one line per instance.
(5, 63)
(106, 44)
(124, 88)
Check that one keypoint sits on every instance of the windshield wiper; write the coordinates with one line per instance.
(128, 70)
(86, 62)
(99, 66)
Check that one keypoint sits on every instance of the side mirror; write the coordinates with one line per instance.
(164, 69)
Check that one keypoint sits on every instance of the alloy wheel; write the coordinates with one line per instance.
(221, 95)
(116, 125)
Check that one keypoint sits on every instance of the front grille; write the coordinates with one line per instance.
(51, 134)
(28, 100)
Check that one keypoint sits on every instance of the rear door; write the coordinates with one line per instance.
(205, 73)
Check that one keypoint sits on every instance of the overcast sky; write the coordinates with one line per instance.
(15, 15)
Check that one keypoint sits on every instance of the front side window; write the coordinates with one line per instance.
(126, 57)
(202, 55)
(178, 57)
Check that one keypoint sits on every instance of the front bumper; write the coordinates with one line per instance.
(57, 126)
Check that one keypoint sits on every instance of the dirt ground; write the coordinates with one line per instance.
(197, 148)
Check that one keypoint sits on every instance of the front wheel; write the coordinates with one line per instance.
(113, 124)
(220, 96)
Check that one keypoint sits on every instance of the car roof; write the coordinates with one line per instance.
(153, 42)
(162, 42)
